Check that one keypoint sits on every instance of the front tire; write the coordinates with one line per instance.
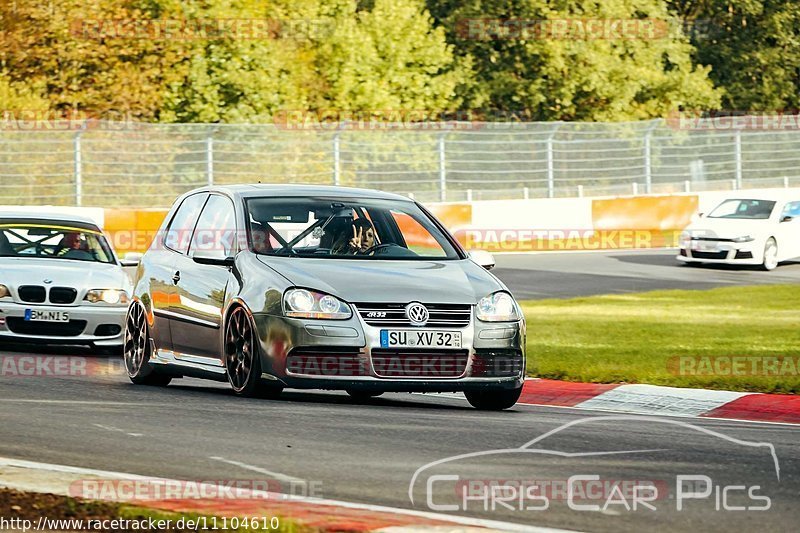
(770, 255)
(242, 360)
(493, 399)
(137, 350)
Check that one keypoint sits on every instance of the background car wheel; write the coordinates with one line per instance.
(242, 361)
(770, 255)
(136, 350)
(363, 394)
(493, 399)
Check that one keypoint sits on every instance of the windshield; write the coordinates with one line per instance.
(353, 228)
(748, 209)
(53, 241)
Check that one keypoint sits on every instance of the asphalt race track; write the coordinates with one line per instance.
(369, 452)
(571, 274)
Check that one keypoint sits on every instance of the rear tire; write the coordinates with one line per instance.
(770, 255)
(363, 395)
(493, 399)
(137, 350)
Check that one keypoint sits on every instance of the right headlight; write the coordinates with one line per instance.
(497, 307)
(304, 303)
(4, 291)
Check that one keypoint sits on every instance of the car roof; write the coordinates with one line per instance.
(292, 190)
(64, 218)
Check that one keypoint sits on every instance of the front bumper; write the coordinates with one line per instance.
(93, 325)
(723, 252)
(347, 354)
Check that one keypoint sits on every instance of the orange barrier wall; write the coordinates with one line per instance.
(661, 217)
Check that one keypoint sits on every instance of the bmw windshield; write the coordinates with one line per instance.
(355, 228)
(53, 241)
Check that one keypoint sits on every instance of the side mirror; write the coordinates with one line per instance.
(208, 257)
(483, 258)
(787, 218)
(700, 215)
(131, 259)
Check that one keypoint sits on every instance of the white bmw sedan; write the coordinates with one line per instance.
(60, 283)
(744, 231)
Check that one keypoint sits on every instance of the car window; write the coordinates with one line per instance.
(53, 241)
(792, 209)
(744, 209)
(352, 228)
(180, 229)
(215, 233)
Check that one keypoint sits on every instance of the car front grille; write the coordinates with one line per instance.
(394, 315)
(330, 362)
(34, 294)
(62, 295)
(19, 325)
(709, 255)
(419, 364)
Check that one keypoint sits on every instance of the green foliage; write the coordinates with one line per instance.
(574, 78)
(752, 47)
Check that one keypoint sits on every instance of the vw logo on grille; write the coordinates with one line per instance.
(417, 313)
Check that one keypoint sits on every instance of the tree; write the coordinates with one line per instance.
(752, 47)
(562, 72)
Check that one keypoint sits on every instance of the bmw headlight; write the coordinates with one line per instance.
(4, 291)
(303, 303)
(744, 238)
(684, 239)
(108, 296)
(498, 307)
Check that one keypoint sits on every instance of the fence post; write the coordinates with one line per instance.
(526, 193)
(738, 145)
(210, 159)
(580, 191)
(551, 173)
(687, 186)
(442, 169)
(648, 160)
(635, 188)
(78, 168)
(337, 161)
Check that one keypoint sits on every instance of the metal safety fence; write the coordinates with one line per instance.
(111, 164)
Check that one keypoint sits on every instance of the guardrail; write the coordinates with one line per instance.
(143, 165)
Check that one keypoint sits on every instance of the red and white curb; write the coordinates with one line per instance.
(665, 401)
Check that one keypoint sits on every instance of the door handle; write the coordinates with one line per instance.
(176, 278)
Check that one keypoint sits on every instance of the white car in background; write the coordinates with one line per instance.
(60, 283)
(745, 231)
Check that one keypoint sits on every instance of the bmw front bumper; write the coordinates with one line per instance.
(94, 325)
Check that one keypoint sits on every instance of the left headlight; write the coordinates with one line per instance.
(498, 307)
(303, 303)
(744, 238)
(108, 296)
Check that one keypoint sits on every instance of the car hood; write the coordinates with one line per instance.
(455, 281)
(728, 228)
(16, 271)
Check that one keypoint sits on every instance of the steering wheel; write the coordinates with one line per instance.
(377, 247)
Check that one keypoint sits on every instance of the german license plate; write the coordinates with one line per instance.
(34, 315)
(414, 338)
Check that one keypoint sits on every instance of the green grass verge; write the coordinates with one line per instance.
(637, 338)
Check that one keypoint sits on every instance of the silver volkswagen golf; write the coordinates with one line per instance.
(287, 286)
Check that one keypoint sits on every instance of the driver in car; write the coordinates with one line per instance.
(70, 241)
(359, 242)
